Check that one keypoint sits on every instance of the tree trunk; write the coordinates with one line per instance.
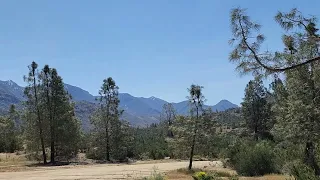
(170, 133)
(42, 146)
(107, 144)
(52, 137)
(39, 120)
(193, 140)
(52, 156)
(310, 158)
(192, 151)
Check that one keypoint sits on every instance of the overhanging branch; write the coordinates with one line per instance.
(270, 68)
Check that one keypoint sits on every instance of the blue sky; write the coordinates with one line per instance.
(151, 48)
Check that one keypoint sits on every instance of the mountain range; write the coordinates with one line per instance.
(139, 111)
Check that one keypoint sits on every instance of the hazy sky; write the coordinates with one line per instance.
(150, 47)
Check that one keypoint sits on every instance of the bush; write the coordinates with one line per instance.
(301, 171)
(144, 156)
(206, 176)
(95, 153)
(286, 154)
(231, 154)
(255, 160)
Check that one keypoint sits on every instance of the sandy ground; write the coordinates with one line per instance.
(94, 172)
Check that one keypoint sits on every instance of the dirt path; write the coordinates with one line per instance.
(94, 172)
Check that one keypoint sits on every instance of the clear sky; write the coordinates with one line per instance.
(150, 47)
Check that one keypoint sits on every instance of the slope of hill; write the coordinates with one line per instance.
(10, 93)
(79, 94)
(10, 87)
(136, 106)
(154, 103)
(139, 111)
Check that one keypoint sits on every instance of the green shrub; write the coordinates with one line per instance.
(204, 176)
(301, 171)
(255, 160)
(144, 156)
(94, 153)
(233, 150)
(286, 154)
(158, 154)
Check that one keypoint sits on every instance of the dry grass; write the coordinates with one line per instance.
(181, 174)
(12, 159)
(222, 172)
(175, 175)
(12, 162)
(267, 177)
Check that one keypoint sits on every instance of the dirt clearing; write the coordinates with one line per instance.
(94, 172)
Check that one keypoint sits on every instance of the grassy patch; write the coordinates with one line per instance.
(221, 173)
(12, 159)
(268, 177)
(187, 171)
(185, 174)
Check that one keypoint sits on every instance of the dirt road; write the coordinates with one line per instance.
(94, 172)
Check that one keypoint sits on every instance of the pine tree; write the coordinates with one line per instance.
(196, 100)
(184, 128)
(49, 102)
(46, 83)
(33, 106)
(64, 127)
(256, 109)
(298, 107)
(108, 128)
(298, 111)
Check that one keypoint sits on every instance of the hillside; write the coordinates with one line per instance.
(139, 111)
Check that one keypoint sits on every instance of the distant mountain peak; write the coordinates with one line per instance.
(224, 101)
(10, 83)
(153, 98)
(224, 105)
